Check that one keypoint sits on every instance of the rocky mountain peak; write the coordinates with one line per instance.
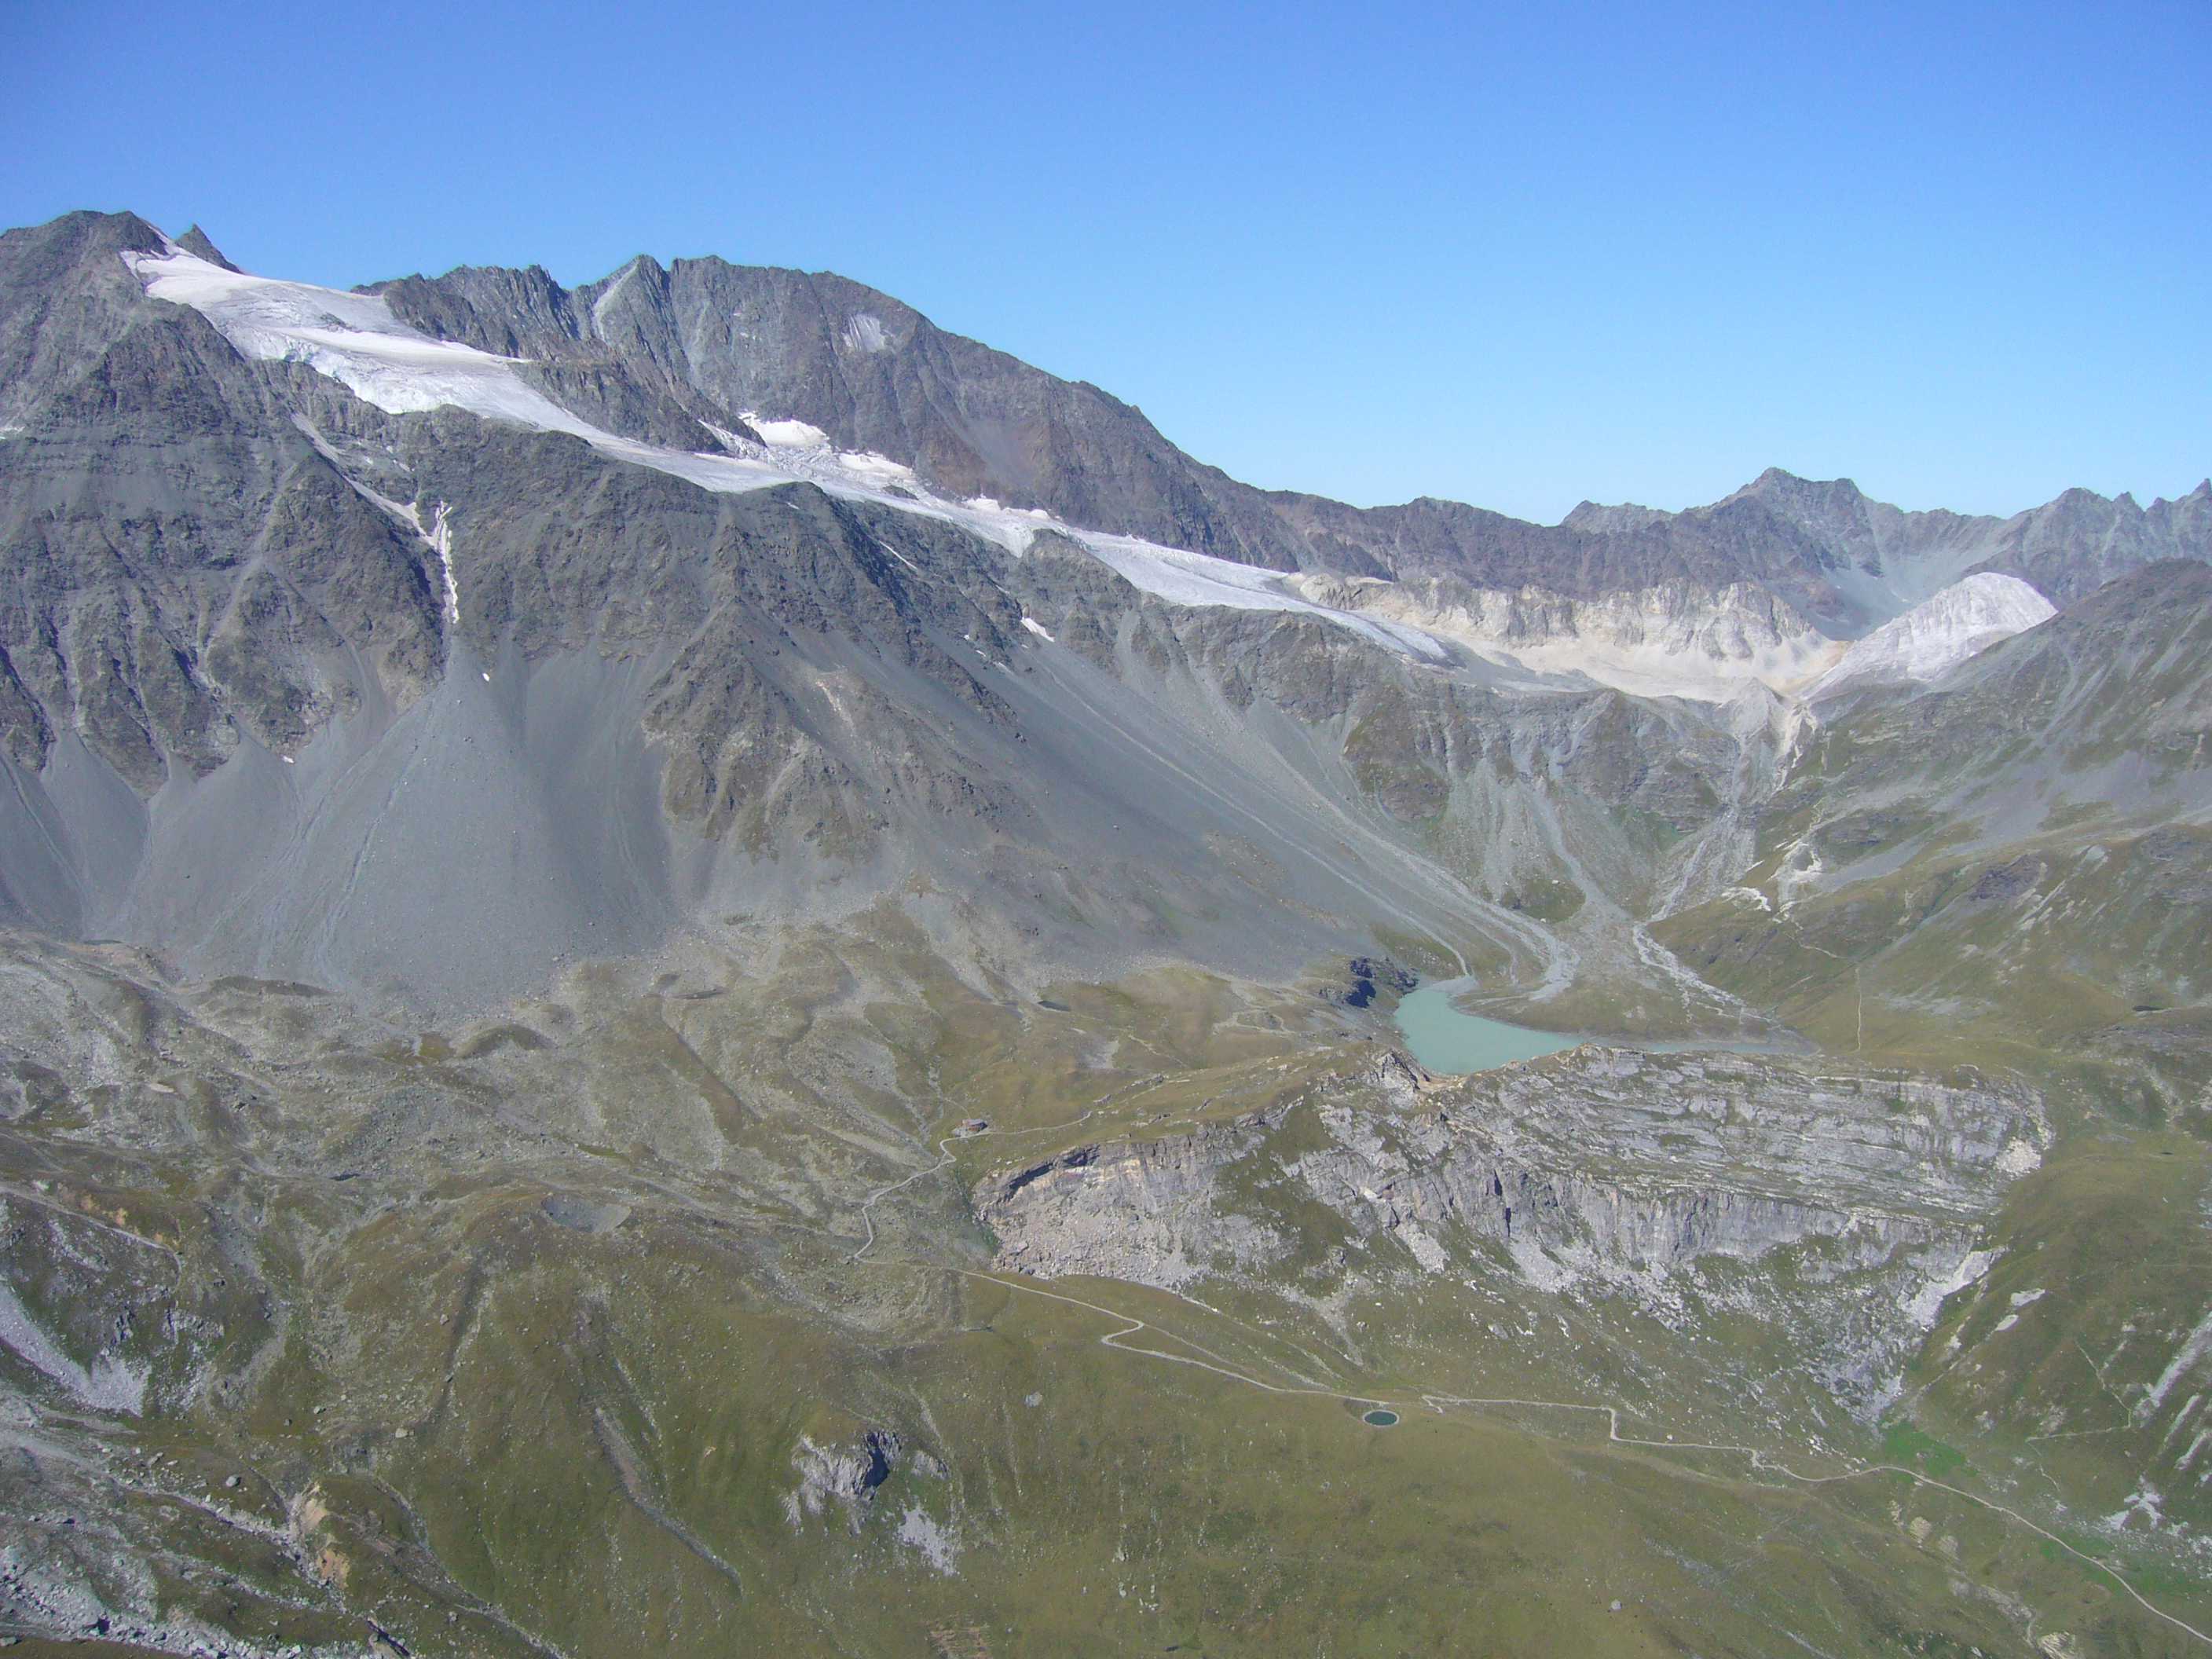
(1597, 518)
(1840, 499)
(195, 241)
(674, 354)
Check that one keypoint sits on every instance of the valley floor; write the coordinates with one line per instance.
(850, 1303)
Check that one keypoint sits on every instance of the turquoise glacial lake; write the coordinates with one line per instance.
(1446, 1039)
(1450, 1041)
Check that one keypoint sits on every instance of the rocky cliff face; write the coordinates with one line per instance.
(1650, 1161)
(1149, 1212)
(1674, 639)
(1595, 1172)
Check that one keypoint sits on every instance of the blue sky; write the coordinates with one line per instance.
(1517, 255)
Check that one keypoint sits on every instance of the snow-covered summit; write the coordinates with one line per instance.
(357, 340)
(1940, 632)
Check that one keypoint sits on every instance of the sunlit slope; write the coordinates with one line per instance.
(566, 1332)
(2008, 867)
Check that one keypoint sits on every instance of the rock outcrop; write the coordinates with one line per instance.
(1607, 1169)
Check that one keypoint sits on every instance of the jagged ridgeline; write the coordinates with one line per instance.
(688, 966)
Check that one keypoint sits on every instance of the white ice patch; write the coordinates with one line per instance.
(2181, 1418)
(355, 339)
(786, 434)
(109, 1386)
(442, 543)
(1198, 579)
(876, 472)
(1036, 627)
(2143, 1504)
(865, 333)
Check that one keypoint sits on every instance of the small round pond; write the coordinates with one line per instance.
(1380, 1419)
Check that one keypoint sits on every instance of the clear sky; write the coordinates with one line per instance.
(1517, 255)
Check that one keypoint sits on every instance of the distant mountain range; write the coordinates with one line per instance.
(673, 354)
(709, 338)
(388, 585)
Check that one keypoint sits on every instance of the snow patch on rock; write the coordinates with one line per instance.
(2194, 1347)
(864, 333)
(442, 543)
(786, 434)
(355, 339)
(1197, 579)
(2143, 1504)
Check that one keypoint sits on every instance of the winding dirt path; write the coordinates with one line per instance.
(1439, 1403)
(1129, 1325)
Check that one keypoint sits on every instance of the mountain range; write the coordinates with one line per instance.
(600, 888)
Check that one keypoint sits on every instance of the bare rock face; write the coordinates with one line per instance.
(1676, 638)
(1596, 1171)
(843, 1478)
(1148, 1213)
(1649, 1161)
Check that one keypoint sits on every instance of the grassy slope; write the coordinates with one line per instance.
(468, 1407)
